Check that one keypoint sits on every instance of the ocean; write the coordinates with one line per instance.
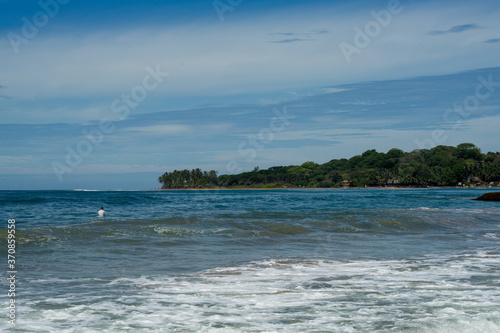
(357, 260)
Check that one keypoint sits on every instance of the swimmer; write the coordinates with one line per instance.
(101, 213)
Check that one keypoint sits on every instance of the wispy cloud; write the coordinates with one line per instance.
(320, 32)
(3, 96)
(293, 40)
(492, 41)
(455, 29)
(283, 33)
(331, 90)
(165, 129)
(299, 37)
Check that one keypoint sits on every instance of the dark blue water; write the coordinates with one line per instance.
(416, 260)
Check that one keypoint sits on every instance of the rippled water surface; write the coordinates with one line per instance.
(416, 260)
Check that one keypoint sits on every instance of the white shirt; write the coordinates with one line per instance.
(101, 213)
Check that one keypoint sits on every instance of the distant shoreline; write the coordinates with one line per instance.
(439, 167)
(330, 188)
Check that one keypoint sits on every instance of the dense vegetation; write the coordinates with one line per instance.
(188, 179)
(439, 166)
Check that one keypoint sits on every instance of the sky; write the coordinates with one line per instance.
(112, 94)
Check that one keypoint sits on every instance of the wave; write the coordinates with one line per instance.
(428, 294)
(85, 190)
(13, 200)
(26, 238)
(265, 225)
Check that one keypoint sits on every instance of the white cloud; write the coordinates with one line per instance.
(334, 90)
(483, 132)
(19, 165)
(23, 164)
(221, 60)
(164, 129)
(119, 168)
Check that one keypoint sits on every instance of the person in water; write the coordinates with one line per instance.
(101, 213)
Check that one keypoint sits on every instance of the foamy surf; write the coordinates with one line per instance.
(433, 294)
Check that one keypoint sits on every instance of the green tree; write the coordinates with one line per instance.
(468, 151)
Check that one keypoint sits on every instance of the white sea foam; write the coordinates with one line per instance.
(488, 211)
(452, 294)
(175, 231)
(427, 208)
(85, 190)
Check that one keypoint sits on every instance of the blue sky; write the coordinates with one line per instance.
(111, 94)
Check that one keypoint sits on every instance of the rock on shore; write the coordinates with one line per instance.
(495, 196)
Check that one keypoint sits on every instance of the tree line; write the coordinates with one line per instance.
(188, 179)
(439, 166)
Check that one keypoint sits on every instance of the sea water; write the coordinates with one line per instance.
(367, 260)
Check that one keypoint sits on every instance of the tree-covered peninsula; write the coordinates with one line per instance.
(439, 166)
